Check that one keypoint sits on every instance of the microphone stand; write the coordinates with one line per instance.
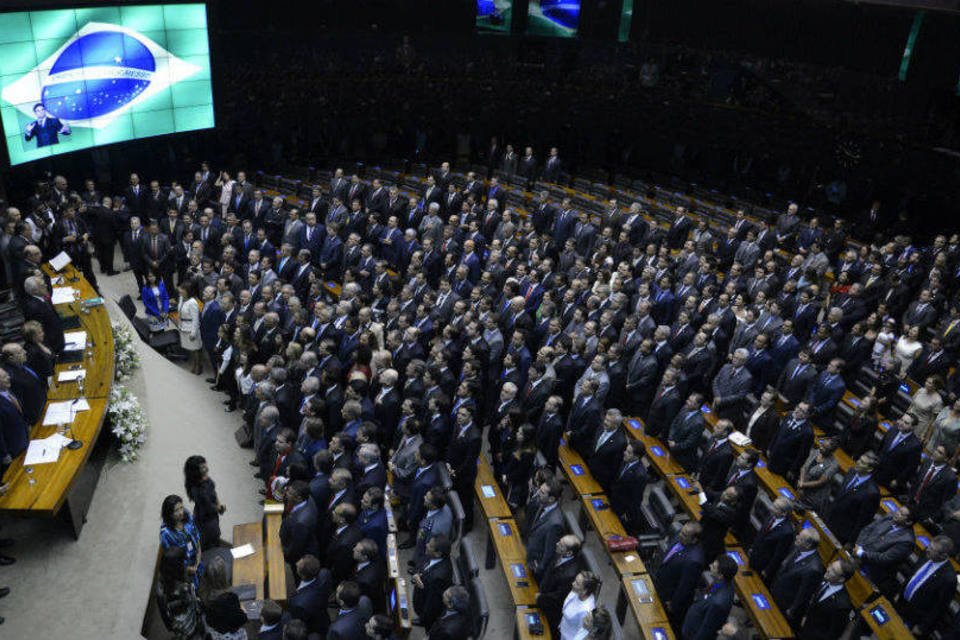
(75, 443)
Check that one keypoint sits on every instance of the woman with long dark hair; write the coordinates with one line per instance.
(179, 530)
(176, 595)
(207, 508)
(189, 311)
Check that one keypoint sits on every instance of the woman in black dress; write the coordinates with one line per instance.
(206, 506)
(39, 357)
(519, 466)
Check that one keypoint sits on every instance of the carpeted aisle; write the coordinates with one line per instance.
(98, 587)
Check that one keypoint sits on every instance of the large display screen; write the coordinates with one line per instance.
(626, 18)
(494, 16)
(557, 18)
(77, 78)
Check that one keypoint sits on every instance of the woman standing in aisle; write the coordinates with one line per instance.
(189, 311)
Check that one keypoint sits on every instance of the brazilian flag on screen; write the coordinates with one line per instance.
(556, 18)
(77, 78)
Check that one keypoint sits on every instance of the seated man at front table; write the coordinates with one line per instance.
(46, 128)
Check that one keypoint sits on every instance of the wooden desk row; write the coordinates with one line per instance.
(753, 594)
(42, 490)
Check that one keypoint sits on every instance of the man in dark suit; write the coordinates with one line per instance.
(14, 431)
(773, 541)
(371, 472)
(426, 476)
(825, 393)
(544, 529)
(796, 378)
(665, 406)
(929, 588)
(899, 455)
(158, 256)
(454, 623)
(345, 534)
(131, 245)
(717, 517)
(685, 432)
(211, 318)
(36, 306)
(744, 478)
(25, 384)
(432, 578)
(933, 485)
(557, 579)
(607, 450)
(708, 614)
(298, 531)
(798, 577)
(731, 386)
(47, 128)
(791, 443)
(368, 572)
(584, 418)
(883, 545)
(641, 380)
(135, 195)
(309, 601)
(830, 609)
(679, 572)
(461, 459)
(856, 502)
(679, 229)
(717, 458)
(351, 616)
(626, 490)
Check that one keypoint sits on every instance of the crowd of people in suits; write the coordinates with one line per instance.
(458, 325)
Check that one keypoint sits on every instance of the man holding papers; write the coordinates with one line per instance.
(14, 433)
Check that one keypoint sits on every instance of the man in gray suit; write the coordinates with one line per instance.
(731, 387)
(403, 462)
(545, 528)
(882, 545)
(642, 378)
(438, 520)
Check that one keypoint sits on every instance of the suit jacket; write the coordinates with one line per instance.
(432, 524)
(852, 507)
(826, 619)
(677, 577)
(428, 601)
(709, 613)
(770, 547)
(926, 496)
(583, 422)
(686, 432)
(796, 583)
(764, 428)
(14, 431)
(715, 465)
(823, 396)
(605, 461)
(349, 625)
(542, 536)
(298, 533)
(428, 479)
(371, 579)
(43, 312)
(626, 493)
(211, 317)
(664, 408)
(930, 599)
(339, 552)
(309, 603)
(30, 389)
(450, 626)
(730, 388)
(376, 477)
(554, 588)
(900, 462)
(795, 380)
(790, 447)
(885, 546)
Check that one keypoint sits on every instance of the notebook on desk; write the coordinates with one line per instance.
(70, 322)
(68, 357)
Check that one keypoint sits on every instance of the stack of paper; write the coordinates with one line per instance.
(75, 341)
(60, 260)
(63, 295)
(70, 376)
(242, 551)
(64, 412)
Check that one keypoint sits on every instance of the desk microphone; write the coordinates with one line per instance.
(74, 442)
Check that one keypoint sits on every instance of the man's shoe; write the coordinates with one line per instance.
(258, 475)
(4, 592)
(254, 463)
(211, 380)
(6, 561)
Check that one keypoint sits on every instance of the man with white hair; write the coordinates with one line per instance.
(372, 472)
(37, 306)
(731, 386)
(386, 406)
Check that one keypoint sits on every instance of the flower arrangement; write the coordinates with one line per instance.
(128, 422)
(126, 358)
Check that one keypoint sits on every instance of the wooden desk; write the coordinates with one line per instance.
(393, 556)
(606, 523)
(249, 570)
(399, 605)
(524, 616)
(576, 471)
(506, 543)
(687, 492)
(276, 566)
(893, 627)
(488, 492)
(53, 482)
(758, 602)
(659, 456)
(647, 609)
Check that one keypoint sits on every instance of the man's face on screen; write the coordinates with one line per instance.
(39, 111)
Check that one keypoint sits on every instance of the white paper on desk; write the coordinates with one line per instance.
(58, 440)
(702, 497)
(63, 295)
(59, 261)
(242, 551)
(64, 412)
(740, 439)
(40, 452)
(75, 340)
(71, 375)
